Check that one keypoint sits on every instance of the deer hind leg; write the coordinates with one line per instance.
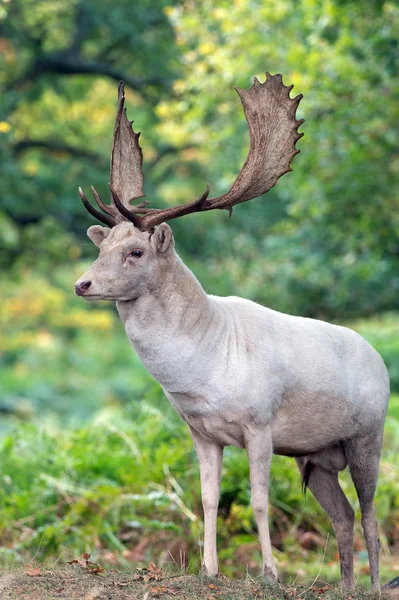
(325, 487)
(363, 459)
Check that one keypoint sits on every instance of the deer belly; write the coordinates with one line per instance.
(306, 429)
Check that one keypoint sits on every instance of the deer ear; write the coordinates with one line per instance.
(162, 238)
(97, 234)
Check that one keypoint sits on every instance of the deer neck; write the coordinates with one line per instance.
(170, 325)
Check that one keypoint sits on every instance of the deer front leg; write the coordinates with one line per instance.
(260, 450)
(210, 456)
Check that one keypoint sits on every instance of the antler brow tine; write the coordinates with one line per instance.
(93, 211)
(128, 214)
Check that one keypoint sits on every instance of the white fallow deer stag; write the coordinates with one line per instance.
(236, 372)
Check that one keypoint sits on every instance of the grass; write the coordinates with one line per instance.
(94, 459)
(76, 582)
(129, 494)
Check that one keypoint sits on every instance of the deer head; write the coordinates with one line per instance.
(137, 236)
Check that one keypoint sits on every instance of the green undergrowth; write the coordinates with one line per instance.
(127, 490)
(94, 459)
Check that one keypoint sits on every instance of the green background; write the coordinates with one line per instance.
(92, 456)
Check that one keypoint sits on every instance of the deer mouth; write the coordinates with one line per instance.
(93, 297)
(98, 297)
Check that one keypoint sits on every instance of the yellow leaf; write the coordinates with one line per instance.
(4, 127)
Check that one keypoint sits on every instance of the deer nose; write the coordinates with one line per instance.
(80, 288)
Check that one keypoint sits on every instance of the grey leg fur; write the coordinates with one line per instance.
(210, 456)
(260, 450)
(363, 459)
(325, 487)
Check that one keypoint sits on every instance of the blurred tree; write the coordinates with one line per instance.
(324, 242)
(333, 246)
(59, 64)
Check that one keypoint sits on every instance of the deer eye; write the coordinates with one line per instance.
(136, 253)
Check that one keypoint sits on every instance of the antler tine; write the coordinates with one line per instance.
(128, 214)
(204, 196)
(96, 213)
(155, 216)
(101, 204)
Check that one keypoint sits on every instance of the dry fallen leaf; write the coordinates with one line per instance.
(158, 590)
(88, 565)
(94, 568)
(213, 586)
(154, 571)
(151, 573)
(321, 590)
(94, 594)
(34, 572)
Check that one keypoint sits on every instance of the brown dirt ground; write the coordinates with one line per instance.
(76, 582)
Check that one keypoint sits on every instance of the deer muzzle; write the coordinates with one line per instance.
(82, 287)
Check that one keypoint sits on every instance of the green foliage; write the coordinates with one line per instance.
(323, 242)
(52, 364)
(122, 480)
(129, 487)
(92, 456)
(382, 332)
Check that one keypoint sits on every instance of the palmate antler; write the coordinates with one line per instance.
(273, 130)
